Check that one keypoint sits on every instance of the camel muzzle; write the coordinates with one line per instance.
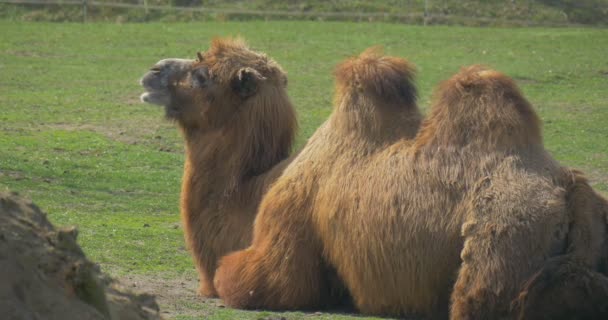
(156, 81)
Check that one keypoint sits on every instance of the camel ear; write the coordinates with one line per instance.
(246, 82)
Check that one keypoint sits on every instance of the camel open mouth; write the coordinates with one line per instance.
(156, 93)
(156, 90)
(160, 99)
(156, 98)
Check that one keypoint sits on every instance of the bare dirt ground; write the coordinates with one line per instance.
(175, 296)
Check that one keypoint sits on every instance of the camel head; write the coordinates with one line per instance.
(234, 95)
(209, 91)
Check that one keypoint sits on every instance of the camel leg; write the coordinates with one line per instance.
(482, 284)
(569, 286)
(509, 231)
(282, 269)
(206, 287)
(204, 260)
(563, 289)
(254, 279)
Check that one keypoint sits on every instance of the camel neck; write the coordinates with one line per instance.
(207, 164)
(215, 169)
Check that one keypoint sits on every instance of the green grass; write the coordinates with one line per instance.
(76, 140)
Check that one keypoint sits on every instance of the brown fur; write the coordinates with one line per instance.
(573, 285)
(238, 128)
(466, 212)
(563, 289)
(493, 125)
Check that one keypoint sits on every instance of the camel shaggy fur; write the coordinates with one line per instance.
(238, 125)
(451, 223)
(573, 285)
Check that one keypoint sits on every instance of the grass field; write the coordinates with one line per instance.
(75, 138)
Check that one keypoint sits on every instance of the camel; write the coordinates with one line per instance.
(286, 267)
(238, 125)
(450, 223)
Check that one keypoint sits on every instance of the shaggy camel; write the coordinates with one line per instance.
(238, 125)
(449, 224)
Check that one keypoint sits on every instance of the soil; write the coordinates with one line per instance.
(175, 296)
(45, 275)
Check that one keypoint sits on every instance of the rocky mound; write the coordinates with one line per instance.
(45, 275)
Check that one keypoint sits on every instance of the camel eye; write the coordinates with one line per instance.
(200, 78)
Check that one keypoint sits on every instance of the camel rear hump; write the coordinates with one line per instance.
(483, 107)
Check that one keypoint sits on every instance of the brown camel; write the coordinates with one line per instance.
(375, 115)
(238, 125)
(461, 216)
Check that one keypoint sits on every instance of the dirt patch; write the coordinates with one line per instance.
(28, 54)
(14, 175)
(525, 80)
(597, 177)
(45, 274)
(175, 296)
(115, 131)
(151, 134)
(18, 176)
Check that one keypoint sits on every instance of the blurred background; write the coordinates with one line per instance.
(453, 12)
